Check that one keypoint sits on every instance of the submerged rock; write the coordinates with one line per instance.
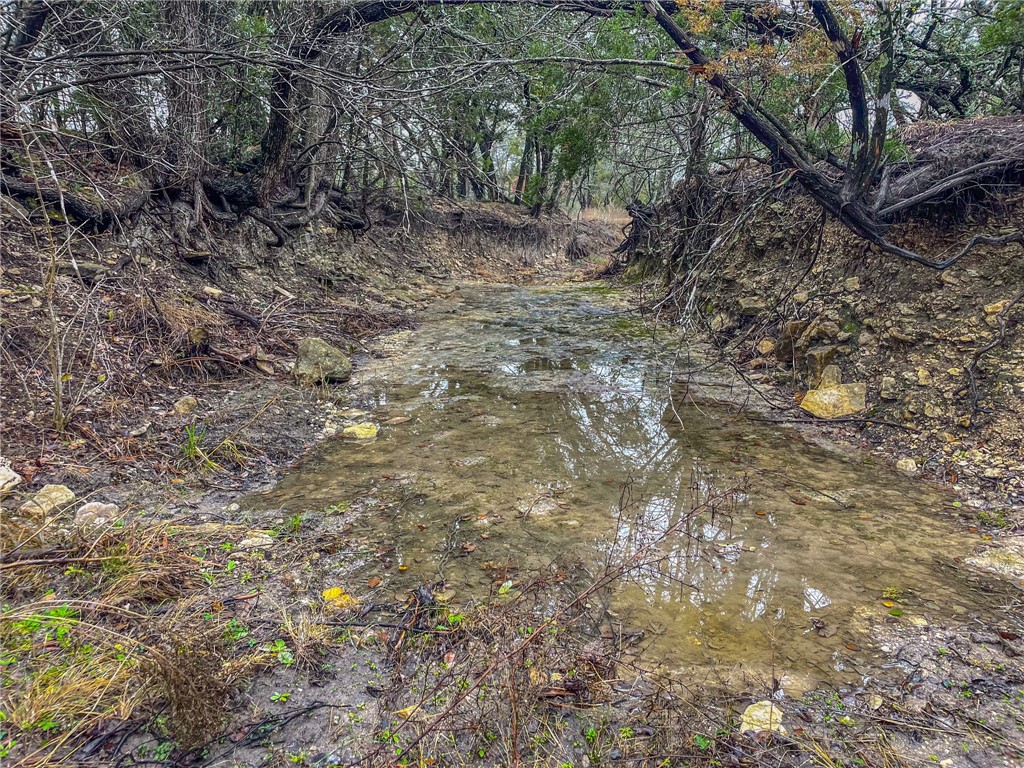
(762, 717)
(362, 431)
(319, 362)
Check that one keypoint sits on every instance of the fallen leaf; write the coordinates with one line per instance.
(338, 598)
(373, 583)
(403, 567)
(468, 548)
(761, 512)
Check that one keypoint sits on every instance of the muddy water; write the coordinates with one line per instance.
(546, 435)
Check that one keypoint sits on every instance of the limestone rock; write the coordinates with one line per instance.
(185, 405)
(907, 466)
(762, 717)
(835, 400)
(831, 376)
(8, 479)
(852, 284)
(924, 378)
(96, 515)
(721, 322)
(319, 362)
(887, 389)
(1006, 560)
(363, 431)
(817, 359)
(88, 271)
(49, 499)
(765, 347)
(256, 540)
(996, 307)
(752, 306)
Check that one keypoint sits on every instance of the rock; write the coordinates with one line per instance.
(800, 297)
(185, 405)
(87, 271)
(852, 284)
(1006, 560)
(95, 515)
(762, 717)
(256, 540)
(765, 347)
(363, 431)
(887, 389)
(832, 399)
(8, 479)
(906, 466)
(319, 362)
(751, 306)
(932, 411)
(817, 359)
(831, 376)
(721, 322)
(924, 378)
(788, 347)
(213, 293)
(49, 499)
(996, 307)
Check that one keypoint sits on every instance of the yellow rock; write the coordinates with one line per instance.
(339, 599)
(762, 716)
(996, 307)
(835, 401)
(765, 347)
(361, 431)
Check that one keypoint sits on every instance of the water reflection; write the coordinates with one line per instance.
(543, 432)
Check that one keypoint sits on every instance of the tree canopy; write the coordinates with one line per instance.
(286, 112)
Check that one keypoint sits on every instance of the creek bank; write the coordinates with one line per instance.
(168, 361)
(932, 361)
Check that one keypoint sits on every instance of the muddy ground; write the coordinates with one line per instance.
(176, 631)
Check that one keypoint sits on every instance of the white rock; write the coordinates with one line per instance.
(256, 541)
(96, 514)
(8, 479)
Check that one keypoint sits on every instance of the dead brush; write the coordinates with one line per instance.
(193, 670)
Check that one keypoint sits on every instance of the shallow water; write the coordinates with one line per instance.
(547, 435)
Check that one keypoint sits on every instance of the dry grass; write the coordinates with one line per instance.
(612, 215)
(109, 629)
